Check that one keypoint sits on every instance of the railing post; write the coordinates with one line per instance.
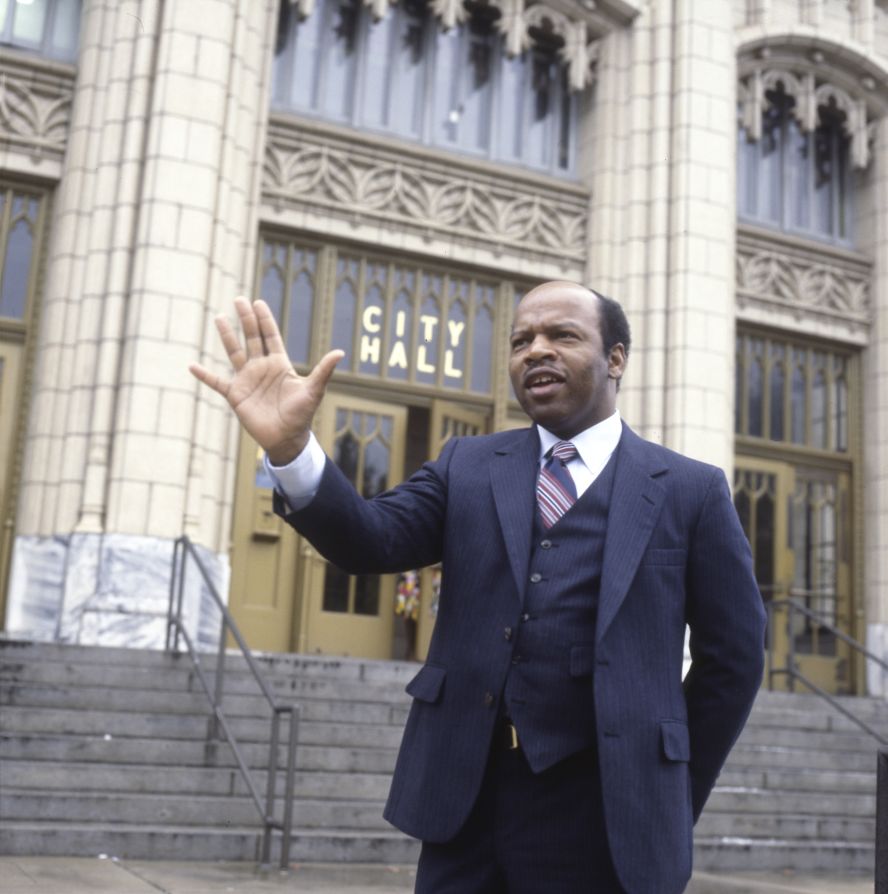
(882, 823)
(220, 671)
(173, 568)
(180, 595)
(769, 608)
(790, 635)
(287, 830)
(271, 786)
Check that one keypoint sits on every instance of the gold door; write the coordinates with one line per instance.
(10, 371)
(264, 556)
(448, 420)
(344, 614)
(797, 521)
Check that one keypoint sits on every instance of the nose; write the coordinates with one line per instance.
(539, 349)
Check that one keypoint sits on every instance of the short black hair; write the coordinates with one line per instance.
(613, 322)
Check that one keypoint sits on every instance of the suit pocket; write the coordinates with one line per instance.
(582, 660)
(664, 557)
(426, 686)
(676, 740)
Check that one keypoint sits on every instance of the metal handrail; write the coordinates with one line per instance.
(794, 673)
(182, 549)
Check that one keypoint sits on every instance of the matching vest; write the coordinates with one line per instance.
(549, 688)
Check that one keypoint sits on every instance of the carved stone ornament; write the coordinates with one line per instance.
(445, 199)
(516, 21)
(803, 281)
(35, 112)
(810, 94)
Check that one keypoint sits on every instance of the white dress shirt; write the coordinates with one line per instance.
(594, 445)
(299, 480)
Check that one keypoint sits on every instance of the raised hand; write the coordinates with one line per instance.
(272, 401)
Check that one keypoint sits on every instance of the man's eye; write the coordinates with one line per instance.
(518, 342)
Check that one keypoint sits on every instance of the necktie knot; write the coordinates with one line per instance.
(564, 452)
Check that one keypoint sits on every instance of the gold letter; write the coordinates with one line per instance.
(398, 356)
(367, 318)
(456, 329)
(369, 349)
(448, 366)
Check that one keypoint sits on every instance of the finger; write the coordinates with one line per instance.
(250, 326)
(215, 382)
(232, 344)
(320, 375)
(268, 327)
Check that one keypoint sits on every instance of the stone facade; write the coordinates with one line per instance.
(165, 160)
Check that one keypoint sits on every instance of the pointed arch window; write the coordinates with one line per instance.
(800, 148)
(47, 27)
(457, 89)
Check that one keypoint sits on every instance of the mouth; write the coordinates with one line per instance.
(541, 382)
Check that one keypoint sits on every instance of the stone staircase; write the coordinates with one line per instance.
(104, 751)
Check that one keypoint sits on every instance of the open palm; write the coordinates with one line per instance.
(273, 402)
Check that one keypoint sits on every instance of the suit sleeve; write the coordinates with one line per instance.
(399, 529)
(727, 622)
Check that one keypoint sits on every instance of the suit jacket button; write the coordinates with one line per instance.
(488, 699)
(535, 578)
(546, 544)
(507, 634)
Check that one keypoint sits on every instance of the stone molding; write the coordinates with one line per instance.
(433, 196)
(35, 106)
(796, 282)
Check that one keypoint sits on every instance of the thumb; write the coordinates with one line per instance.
(320, 375)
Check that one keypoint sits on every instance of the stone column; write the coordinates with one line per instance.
(875, 424)
(662, 172)
(155, 231)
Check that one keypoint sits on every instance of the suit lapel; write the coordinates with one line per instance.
(513, 479)
(635, 505)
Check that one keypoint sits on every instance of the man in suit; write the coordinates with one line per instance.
(552, 746)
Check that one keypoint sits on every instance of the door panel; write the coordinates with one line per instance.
(797, 521)
(448, 420)
(344, 614)
(10, 372)
(264, 582)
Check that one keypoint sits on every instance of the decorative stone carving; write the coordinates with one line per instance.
(810, 94)
(802, 282)
(446, 198)
(35, 110)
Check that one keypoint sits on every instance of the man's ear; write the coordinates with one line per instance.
(616, 361)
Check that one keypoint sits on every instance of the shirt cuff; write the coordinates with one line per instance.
(299, 480)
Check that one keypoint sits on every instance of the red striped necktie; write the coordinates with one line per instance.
(556, 491)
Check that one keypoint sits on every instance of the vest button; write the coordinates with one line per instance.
(488, 699)
(507, 634)
(546, 544)
(535, 578)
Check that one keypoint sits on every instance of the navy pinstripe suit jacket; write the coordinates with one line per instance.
(674, 554)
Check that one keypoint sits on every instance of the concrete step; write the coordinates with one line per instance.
(99, 698)
(183, 810)
(800, 780)
(725, 799)
(834, 741)
(188, 843)
(389, 673)
(786, 827)
(776, 757)
(738, 854)
(66, 721)
(187, 753)
(52, 776)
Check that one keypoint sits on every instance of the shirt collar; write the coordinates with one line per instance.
(593, 444)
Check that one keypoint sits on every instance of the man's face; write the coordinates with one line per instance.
(561, 375)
